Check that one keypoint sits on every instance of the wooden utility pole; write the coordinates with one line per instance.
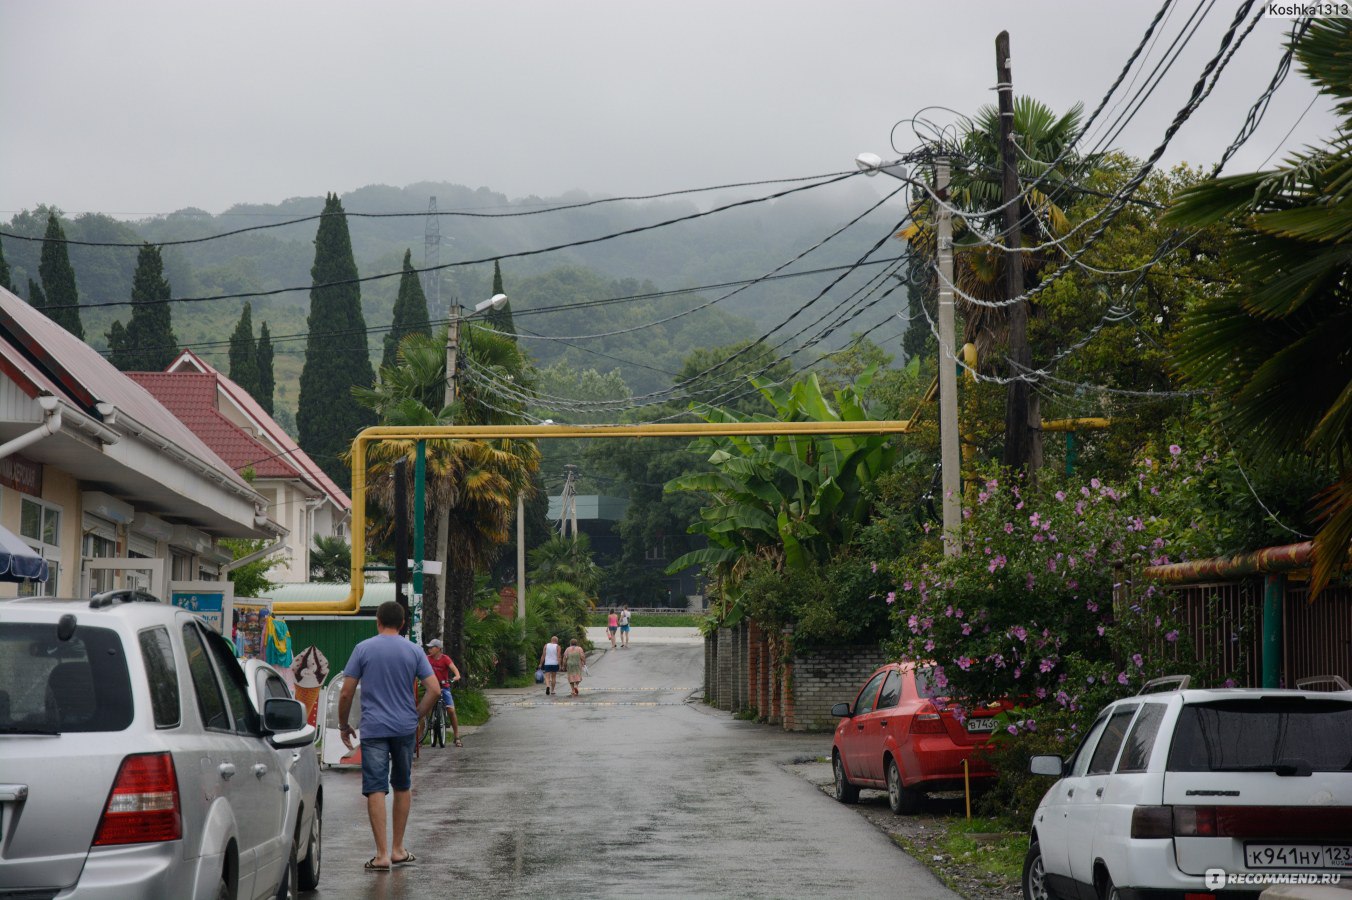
(951, 479)
(1019, 451)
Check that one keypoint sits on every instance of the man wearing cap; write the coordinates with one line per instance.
(444, 668)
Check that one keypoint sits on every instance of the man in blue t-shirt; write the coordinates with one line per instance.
(387, 666)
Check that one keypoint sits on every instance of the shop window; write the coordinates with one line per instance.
(40, 528)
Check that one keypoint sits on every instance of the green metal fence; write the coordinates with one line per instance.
(335, 636)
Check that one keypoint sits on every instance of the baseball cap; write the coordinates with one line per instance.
(435, 642)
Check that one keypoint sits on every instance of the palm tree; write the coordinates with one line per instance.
(471, 485)
(1276, 345)
(568, 560)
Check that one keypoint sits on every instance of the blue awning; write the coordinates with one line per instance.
(18, 561)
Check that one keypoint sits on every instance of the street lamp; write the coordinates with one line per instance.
(871, 164)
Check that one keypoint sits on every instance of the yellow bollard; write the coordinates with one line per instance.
(967, 789)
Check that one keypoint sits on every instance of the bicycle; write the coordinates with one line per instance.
(436, 724)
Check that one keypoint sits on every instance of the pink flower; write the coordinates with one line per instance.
(1091, 606)
(1030, 724)
(1084, 491)
(1009, 528)
(1046, 665)
(964, 663)
(1051, 564)
(1122, 678)
(1137, 661)
(1012, 729)
(1095, 483)
(905, 585)
(891, 597)
(1060, 495)
(1028, 582)
(992, 484)
(1033, 520)
(874, 567)
(957, 613)
(1017, 672)
(966, 628)
(1175, 450)
(1100, 630)
(929, 645)
(982, 497)
(1019, 633)
(1171, 636)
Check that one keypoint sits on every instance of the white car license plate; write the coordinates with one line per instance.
(981, 726)
(1298, 856)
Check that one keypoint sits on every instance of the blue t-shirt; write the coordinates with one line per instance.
(387, 666)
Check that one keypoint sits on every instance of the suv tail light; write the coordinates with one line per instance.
(927, 721)
(143, 807)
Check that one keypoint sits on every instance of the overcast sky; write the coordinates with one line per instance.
(139, 107)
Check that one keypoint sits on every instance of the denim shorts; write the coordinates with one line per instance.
(447, 698)
(386, 762)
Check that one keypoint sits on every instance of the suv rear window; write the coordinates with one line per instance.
(1255, 735)
(49, 685)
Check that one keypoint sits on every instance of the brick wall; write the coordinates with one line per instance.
(724, 665)
(816, 680)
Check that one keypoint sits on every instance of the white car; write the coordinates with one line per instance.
(133, 762)
(305, 795)
(1197, 793)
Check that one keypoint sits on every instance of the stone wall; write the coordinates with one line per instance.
(818, 679)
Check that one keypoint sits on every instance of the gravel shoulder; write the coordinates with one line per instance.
(925, 835)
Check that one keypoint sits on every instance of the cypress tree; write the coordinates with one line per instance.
(4, 273)
(120, 351)
(244, 353)
(267, 382)
(151, 343)
(500, 319)
(36, 298)
(58, 279)
(410, 312)
(328, 416)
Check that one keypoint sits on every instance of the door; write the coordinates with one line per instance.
(1052, 818)
(1082, 809)
(855, 751)
(261, 815)
(878, 725)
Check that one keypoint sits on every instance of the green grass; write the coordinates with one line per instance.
(651, 620)
(471, 707)
(525, 679)
(1001, 855)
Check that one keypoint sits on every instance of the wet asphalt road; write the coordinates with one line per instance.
(630, 790)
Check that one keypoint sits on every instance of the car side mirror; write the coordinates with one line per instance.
(841, 710)
(1047, 765)
(291, 739)
(281, 715)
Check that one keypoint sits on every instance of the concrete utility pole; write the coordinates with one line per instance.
(452, 352)
(521, 557)
(948, 374)
(1020, 427)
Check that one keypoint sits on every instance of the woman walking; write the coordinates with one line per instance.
(549, 661)
(574, 659)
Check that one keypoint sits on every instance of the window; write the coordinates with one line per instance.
(99, 543)
(181, 564)
(864, 702)
(274, 689)
(1105, 754)
(891, 690)
(236, 687)
(1080, 760)
(1262, 733)
(158, 655)
(1136, 752)
(210, 703)
(924, 684)
(50, 685)
(40, 527)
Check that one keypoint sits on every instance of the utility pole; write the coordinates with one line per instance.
(948, 374)
(432, 255)
(520, 557)
(452, 350)
(1019, 435)
(401, 543)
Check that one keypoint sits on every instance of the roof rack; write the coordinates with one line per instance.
(124, 595)
(1339, 682)
(1168, 683)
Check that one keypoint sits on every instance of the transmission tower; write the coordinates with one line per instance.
(432, 256)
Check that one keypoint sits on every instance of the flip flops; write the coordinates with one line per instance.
(459, 743)
(405, 861)
(372, 867)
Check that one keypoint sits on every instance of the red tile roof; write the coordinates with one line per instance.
(191, 396)
(245, 401)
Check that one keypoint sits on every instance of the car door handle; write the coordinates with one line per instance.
(1098, 793)
(883, 723)
(227, 770)
(260, 770)
(1070, 793)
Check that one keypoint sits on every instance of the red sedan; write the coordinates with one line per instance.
(902, 735)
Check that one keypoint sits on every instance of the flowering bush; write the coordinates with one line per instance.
(1026, 611)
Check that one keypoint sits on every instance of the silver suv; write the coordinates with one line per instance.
(133, 761)
(1198, 793)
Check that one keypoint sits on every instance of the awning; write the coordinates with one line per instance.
(18, 561)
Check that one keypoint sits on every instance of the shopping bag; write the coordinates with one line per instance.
(539, 675)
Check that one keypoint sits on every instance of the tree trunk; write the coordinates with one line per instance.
(460, 587)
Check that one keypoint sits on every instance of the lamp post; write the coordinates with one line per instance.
(871, 164)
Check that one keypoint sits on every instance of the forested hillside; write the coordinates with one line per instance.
(736, 245)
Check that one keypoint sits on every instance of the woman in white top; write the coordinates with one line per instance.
(549, 661)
